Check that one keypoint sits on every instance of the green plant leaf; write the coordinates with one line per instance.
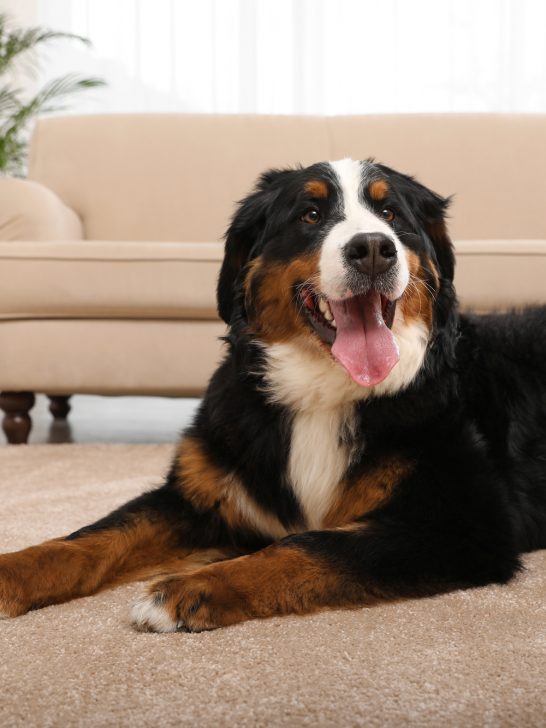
(52, 97)
(9, 101)
(16, 110)
(14, 42)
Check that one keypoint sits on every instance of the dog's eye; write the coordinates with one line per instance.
(387, 214)
(311, 216)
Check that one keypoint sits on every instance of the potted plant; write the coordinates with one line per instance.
(17, 107)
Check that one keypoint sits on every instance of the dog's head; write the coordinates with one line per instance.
(346, 259)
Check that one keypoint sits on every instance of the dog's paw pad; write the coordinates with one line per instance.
(149, 614)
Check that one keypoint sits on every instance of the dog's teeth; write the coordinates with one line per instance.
(325, 310)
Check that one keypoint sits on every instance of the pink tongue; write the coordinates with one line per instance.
(364, 345)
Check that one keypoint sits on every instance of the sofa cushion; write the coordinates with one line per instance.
(30, 211)
(134, 280)
(99, 279)
(171, 358)
(500, 274)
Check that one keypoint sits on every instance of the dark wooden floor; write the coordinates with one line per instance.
(112, 419)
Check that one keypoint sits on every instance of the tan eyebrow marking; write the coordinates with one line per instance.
(317, 188)
(378, 189)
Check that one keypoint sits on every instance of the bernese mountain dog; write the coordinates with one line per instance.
(361, 441)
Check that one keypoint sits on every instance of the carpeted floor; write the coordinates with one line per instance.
(466, 659)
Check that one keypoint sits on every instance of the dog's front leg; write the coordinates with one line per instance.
(361, 565)
(157, 533)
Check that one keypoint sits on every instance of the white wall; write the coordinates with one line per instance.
(22, 11)
(304, 56)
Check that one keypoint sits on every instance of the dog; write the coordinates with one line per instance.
(361, 441)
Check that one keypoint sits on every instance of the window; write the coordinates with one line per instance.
(306, 56)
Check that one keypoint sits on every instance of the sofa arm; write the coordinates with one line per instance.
(30, 211)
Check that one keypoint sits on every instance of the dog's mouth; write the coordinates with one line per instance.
(358, 330)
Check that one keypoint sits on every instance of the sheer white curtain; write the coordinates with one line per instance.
(305, 56)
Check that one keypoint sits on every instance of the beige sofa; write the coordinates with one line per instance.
(110, 250)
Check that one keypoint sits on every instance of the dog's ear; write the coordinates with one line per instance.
(244, 236)
(429, 209)
(431, 212)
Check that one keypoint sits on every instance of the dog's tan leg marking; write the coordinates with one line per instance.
(277, 580)
(59, 570)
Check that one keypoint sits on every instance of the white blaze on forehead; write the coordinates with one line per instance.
(350, 178)
(357, 218)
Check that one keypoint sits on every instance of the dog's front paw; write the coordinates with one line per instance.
(194, 603)
(13, 602)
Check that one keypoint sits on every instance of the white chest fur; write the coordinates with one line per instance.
(319, 458)
(321, 398)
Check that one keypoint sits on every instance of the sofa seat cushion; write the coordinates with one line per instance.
(98, 279)
(109, 356)
(500, 274)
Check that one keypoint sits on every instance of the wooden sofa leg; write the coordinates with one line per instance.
(59, 405)
(16, 423)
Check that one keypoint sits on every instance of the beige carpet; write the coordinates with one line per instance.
(467, 659)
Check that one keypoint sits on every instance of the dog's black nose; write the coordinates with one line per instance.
(371, 253)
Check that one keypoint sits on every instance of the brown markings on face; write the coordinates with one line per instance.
(317, 188)
(210, 488)
(378, 189)
(271, 582)
(367, 492)
(418, 299)
(431, 269)
(437, 231)
(272, 301)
